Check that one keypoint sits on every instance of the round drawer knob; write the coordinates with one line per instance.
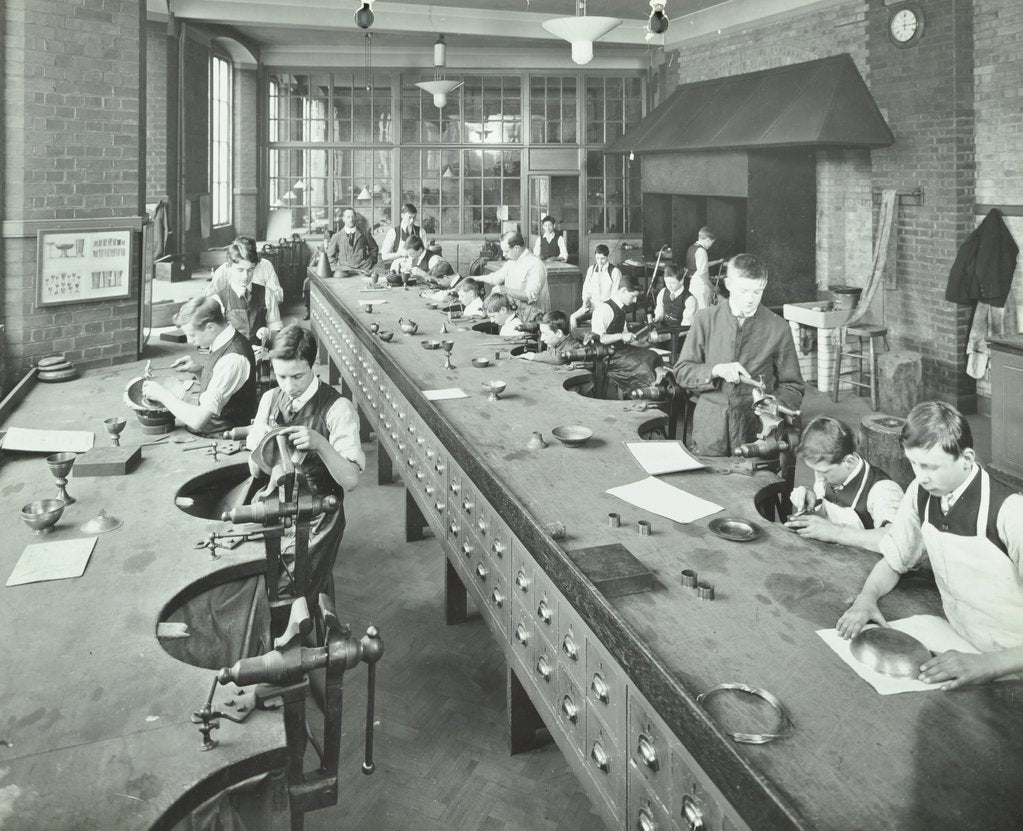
(599, 687)
(645, 820)
(647, 752)
(600, 757)
(498, 598)
(521, 635)
(569, 709)
(543, 611)
(543, 668)
(522, 581)
(691, 814)
(569, 647)
(481, 572)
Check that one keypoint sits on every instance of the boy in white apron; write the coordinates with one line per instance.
(851, 501)
(970, 526)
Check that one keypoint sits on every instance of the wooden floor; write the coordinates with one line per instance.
(442, 739)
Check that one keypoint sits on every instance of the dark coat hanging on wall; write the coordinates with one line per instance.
(983, 268)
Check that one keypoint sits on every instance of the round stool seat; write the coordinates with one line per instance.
(866, 330)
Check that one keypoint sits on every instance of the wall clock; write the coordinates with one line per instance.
(906, 25)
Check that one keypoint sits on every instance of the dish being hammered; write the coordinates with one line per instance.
(735, 528)
(889, 651)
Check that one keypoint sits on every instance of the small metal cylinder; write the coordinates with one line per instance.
(614, 520)
(689, 578)
(705, 591)
(644, 528)
(556, 530)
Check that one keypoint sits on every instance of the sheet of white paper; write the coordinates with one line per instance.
(445, 395)
(48, 441)
(657, 457)
(56, 560)
(932, 631)
(659, 497)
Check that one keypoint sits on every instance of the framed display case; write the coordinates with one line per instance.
(82, 266)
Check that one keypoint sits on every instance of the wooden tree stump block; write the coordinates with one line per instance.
(899, 381)
(880, 445)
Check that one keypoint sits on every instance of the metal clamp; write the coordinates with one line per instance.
(783, 728)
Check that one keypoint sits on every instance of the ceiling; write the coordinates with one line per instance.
(498, 33)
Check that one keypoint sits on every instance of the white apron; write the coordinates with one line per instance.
(981, 590)
(847, 517)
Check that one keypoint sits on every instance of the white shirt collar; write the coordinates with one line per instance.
(238, 290)
(223, 338)
(855, 472)
(950, 499)
(298, 403)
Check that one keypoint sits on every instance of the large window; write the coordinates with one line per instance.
(220, 139)
(552, 109)
(330, 149)
(337, 141)
(613, 194)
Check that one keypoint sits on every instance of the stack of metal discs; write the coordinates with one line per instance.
(56, 368)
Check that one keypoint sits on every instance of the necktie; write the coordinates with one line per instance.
(946, 503)
(246, 296)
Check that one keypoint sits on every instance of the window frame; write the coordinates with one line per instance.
(221, 138)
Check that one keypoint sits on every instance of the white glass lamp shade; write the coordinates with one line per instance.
(581, 32)
(439, 90)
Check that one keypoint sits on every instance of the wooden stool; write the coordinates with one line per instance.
(863, 332)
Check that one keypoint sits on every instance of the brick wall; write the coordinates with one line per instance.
(843, 188)
(926, 94)
(71, 126)
(246, 150)
(998, 85)
(157, 45)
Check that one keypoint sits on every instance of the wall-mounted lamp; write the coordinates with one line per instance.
(581, 31)
(364, 17)
(658, 23)
(439, 88)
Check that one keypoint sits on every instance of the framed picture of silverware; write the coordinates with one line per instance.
(79, 266)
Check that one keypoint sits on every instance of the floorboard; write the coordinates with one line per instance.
(441, 744)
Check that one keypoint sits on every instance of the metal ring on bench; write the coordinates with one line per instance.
(783, 728)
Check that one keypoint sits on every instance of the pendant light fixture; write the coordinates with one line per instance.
(658, 23)
(364, 17)
(581, 31)
(439, 88)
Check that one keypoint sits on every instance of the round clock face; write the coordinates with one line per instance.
(904, 25)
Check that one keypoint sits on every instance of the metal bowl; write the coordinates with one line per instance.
(480, 363)
(735, 528)
(385, 335)
(572, 435)
(889, 652)
(42, 514)
(431, 344)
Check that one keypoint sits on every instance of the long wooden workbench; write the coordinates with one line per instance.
(95, 717)
(615, 681)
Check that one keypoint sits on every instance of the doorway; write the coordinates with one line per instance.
(556, 196)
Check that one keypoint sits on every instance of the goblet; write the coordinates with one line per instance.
(447, 346)
(60, 465)
(114, 427)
